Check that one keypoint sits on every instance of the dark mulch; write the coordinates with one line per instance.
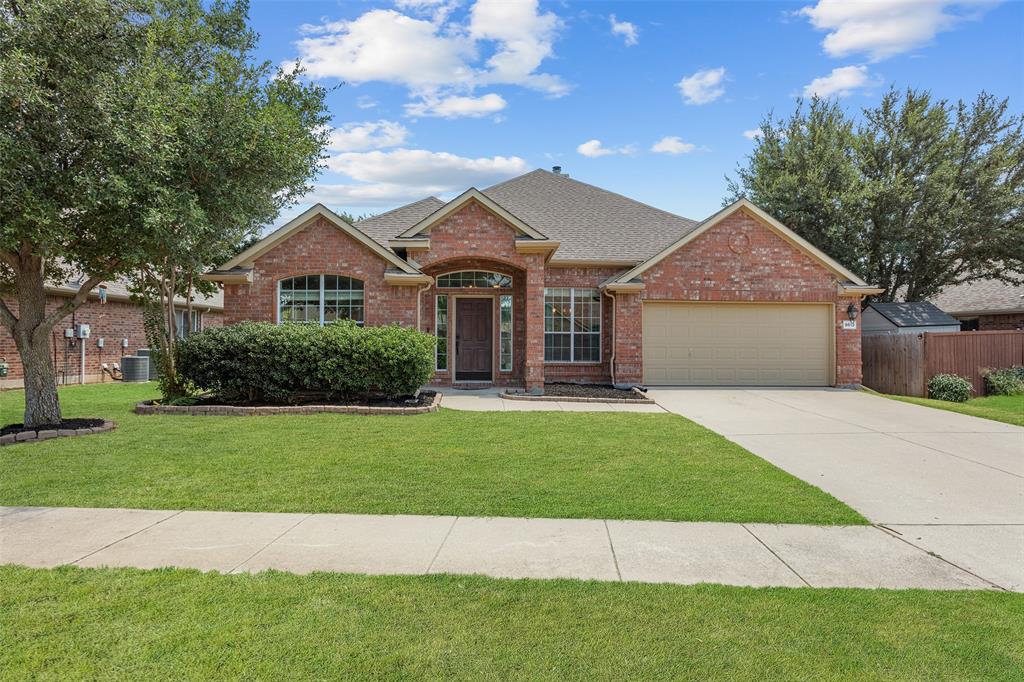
(590, 391)
(424, 398)
(66, 424)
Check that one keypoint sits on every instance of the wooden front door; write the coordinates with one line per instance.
(473, 333)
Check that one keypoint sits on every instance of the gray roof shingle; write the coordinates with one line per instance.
(380, 228)
(915, 314)
(982, 296)
(591, 224)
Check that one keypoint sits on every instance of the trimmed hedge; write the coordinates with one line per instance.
(950, 387)
(1006, 381)
(262, 362)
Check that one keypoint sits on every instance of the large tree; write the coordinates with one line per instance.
(137, 135)
(914, 195)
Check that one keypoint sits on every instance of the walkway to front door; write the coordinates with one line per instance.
(473, 334)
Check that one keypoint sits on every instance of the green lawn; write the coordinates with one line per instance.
(1000, 408)
(128, 624)
(553, 464)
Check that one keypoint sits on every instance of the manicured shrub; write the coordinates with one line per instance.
(263, 362)
(950, 387)
(1006, 381)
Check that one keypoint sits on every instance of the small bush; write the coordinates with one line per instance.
(263, 362)
(949, 387)
(1006, 381)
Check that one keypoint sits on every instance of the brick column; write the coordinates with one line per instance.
(629, 360)
(534, 367)
(848, 349)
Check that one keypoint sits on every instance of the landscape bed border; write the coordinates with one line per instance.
(641, 400)
(148, 407)
(36, 435)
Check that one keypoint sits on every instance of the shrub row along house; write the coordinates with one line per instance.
(115, 326)
(543, 278)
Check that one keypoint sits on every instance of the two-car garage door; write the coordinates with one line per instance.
(737, 344)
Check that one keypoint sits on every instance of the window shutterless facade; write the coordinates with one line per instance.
(572, 325)
(505, 333)
(474, 279)
(320, 299)
(441, 332)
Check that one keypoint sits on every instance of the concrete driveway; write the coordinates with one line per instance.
(946, 482)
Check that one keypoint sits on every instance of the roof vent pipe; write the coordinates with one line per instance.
(557, 170)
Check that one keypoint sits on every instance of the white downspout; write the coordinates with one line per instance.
(419, 308)
(611, 360)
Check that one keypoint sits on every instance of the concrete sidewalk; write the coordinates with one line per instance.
(646, 551)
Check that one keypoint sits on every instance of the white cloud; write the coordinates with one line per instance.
(524, 39)
(703, 86)
(365, 102)
(356, 137)
(457, 106)
(883, 28)
(672, 145)
(752, 134)
(841, 82)
(385, 45)
(628, 31)
(428, 172)
(594, 149)
(437, 57)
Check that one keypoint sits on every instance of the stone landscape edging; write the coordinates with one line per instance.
(33, 436)
(147, 407)
(642, 400)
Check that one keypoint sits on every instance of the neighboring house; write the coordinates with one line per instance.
(117, 321)
(543, 278)
(906, 318)
(985, 305)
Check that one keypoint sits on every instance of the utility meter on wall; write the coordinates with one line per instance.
(82, 331)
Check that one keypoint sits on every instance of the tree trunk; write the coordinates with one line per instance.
(42, 406)
(32, 338)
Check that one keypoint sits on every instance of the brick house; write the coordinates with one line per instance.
(543, 278)
(115, 319)
(985, 304)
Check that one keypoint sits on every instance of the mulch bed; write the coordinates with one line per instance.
(604, 391)
(67, 424)
(424, 398)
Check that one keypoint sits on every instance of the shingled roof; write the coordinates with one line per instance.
(982, 296)
(592, 224)
(915, 314)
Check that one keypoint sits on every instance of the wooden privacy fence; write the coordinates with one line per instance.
(902, 364)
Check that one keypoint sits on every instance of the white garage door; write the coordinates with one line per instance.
(737, 344)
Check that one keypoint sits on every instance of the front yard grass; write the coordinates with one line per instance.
(533, 464)
(1000, 408)
(72, 623)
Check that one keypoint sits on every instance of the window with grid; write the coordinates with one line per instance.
(441, 331)
(505, 329)
(572, 325)
(474, 279)
(320, 299)
(185, 325)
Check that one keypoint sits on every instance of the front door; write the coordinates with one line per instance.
(473, 339)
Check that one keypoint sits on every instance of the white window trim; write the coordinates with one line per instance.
(511, 280)
(321, 322)
(447, 334)
(511, 332)
(573, 333)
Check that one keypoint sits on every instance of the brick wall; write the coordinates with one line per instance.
(739, 259)
(112, 321)
(320, 248)
(1009, 321)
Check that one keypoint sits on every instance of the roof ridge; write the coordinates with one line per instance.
(563, 176)
(398, 208)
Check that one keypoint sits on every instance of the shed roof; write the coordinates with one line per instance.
(914, 314)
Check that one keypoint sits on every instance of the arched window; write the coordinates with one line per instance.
(474, 279)
(320, 299)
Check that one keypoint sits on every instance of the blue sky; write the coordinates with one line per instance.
(648, 99)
